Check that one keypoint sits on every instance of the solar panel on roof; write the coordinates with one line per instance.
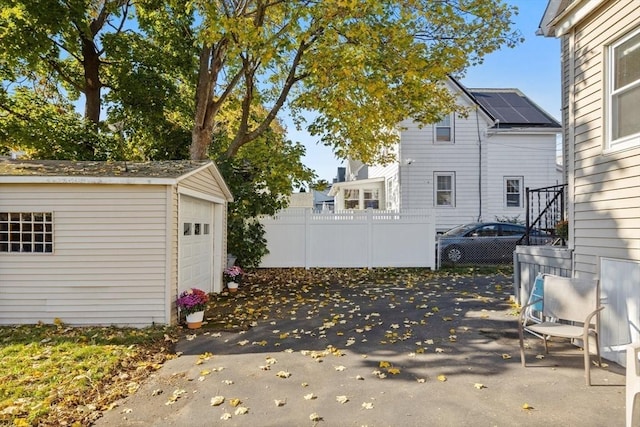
(510, 107)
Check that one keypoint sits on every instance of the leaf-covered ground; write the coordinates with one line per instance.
(60, 375)
(55, 375)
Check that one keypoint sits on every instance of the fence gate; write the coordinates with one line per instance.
(298, 237)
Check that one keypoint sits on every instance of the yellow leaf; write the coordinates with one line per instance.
(442, 378)
(235, 402)
(241, 410)
(217, 400)
(506, 356)
(283, 374)
(315, 417)
(393, 371)
(385, 364)
(527, 406)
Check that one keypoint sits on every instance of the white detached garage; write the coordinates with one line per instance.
(108, 242)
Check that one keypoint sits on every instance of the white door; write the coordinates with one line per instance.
(196, 244)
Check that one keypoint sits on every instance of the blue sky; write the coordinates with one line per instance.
(533, 67)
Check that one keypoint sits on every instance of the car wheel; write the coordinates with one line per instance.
(454, 253)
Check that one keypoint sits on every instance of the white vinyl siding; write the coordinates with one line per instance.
(109, 264)
(605, 184)
(537, 151)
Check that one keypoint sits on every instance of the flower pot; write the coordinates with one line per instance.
(233, 286)
(194, 320)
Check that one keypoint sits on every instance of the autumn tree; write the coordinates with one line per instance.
(361, 65)
(55, 50)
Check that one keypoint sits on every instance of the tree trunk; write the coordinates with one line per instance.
(92, 84)
(200, 140)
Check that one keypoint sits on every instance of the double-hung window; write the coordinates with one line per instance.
(443, 130)
(513, 192)
(624, 93)
(352, 198)
(444, 189)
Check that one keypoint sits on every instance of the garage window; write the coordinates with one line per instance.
(26, 232)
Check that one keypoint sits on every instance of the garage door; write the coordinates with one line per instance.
(196, 244)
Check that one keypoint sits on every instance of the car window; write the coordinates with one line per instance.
(486, 231)
(512, 230)
(459, 230)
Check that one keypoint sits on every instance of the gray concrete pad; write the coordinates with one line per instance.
(441, 353)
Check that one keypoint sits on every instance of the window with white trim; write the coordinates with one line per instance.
(26, 232)
(624, 93)
(352, 198)
(443, 130)
(444, 188)
(513, 191)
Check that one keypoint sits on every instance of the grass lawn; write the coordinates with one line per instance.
(59, 375)
(56, 375)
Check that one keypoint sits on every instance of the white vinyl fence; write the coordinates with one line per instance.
(298, 237)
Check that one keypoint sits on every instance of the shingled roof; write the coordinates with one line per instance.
(159, 169)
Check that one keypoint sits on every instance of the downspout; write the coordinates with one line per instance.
(479, 166)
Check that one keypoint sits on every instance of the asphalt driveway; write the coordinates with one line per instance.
(418, 350)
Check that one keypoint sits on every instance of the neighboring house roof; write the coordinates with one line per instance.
(97, 172)
(511, 108)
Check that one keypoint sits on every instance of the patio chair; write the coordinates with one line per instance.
(533, 311)
(633, 380)
(569, 310)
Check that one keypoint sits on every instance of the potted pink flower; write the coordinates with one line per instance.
(233, 275)
(192, 303)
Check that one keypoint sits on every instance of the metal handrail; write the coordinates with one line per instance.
(552, 212)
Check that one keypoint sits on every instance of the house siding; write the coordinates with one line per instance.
(109, 260)
(497, 151)
(538, 171)
(203, 182)
(606, 185)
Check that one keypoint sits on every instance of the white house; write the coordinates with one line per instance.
(467, 168)
(600, 42)
(108, 242)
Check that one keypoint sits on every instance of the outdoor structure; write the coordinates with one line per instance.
(108, 242)
(600, 42)
(466, 168)
(300, 237)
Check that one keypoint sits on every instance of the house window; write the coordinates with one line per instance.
(352, 199)
(26, 232)
(444, 130)
(444, 190)
(392, 193)
(513, 192)
(624, 93)
(371, 199)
